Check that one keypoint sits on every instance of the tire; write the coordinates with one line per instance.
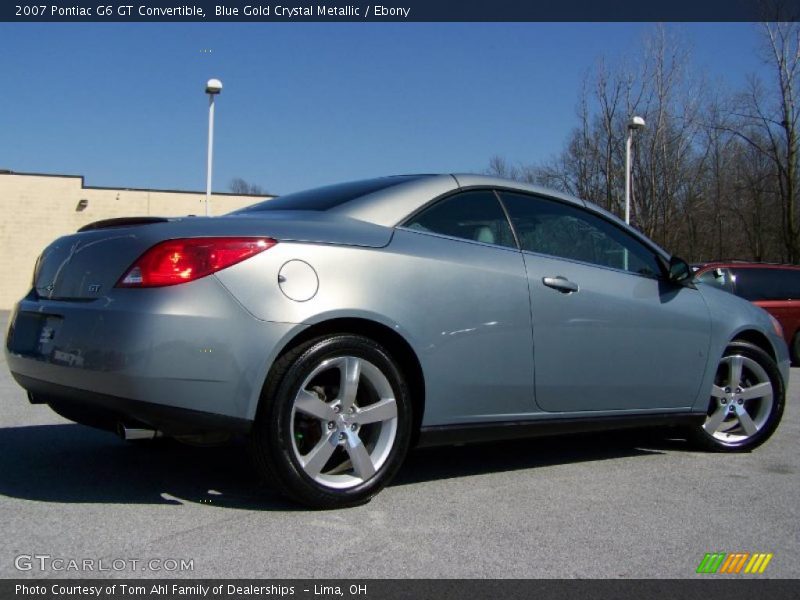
(795, 349)
(746, 402)
(322, 442)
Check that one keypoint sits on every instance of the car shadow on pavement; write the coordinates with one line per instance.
(446, 462)
(72, 463)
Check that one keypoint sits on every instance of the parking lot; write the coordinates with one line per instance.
(605, 505)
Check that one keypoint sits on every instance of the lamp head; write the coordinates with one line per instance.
(214, 86)
(636, 123)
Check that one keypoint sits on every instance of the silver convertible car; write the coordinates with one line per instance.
(338, 327)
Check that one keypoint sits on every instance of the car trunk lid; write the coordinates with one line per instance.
(86, 265)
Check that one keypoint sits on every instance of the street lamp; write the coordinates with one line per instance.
(634, 124)
(213, 87)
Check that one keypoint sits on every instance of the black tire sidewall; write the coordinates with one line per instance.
(274, 424)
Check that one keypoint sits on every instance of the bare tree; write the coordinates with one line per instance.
(754, 203)
(715, 174)
(240, 186)
(767, 121)
(500, 167)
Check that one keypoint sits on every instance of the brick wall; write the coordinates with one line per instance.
(36, 209)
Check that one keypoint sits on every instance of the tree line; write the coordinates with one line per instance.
(714, 173)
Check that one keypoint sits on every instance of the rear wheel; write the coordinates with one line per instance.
(746, 402)
(335, 422)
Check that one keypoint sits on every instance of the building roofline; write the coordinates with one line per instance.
(129, 189)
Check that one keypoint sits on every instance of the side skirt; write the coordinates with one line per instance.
(445, 435)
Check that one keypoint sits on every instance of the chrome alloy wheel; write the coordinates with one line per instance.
(343, 422)
(741, 400)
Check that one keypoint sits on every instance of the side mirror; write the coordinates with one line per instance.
(679, 271)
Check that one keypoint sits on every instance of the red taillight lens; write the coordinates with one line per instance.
(180, 261)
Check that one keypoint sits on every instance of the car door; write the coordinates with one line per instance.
(609, 332)
(467, 308)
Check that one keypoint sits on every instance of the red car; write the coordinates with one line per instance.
(773, 287)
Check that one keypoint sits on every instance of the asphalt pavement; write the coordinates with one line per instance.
(604, 505)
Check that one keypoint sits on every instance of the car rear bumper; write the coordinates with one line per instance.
(190, 347)
(110, 412)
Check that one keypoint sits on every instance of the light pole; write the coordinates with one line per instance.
(633, 124)
(213, 87)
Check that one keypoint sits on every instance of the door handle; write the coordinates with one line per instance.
(562, 284)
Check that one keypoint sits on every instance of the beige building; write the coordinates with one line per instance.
(38, 208)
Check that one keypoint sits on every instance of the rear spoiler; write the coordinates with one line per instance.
(122, 222)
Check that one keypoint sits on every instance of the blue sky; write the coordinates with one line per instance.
(306, 104)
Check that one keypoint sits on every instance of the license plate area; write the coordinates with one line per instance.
(34, 334)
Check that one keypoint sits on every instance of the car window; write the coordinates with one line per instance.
(721, 278)
(475, 215)
(560, 229)
(767, 284)
(328, 197)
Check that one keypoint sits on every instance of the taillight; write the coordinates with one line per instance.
(180, 261)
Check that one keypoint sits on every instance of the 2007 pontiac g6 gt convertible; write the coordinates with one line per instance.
(340, 326)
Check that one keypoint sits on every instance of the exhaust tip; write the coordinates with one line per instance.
(136, 433)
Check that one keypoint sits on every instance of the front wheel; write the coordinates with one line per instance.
(746, 402)
(335, 422)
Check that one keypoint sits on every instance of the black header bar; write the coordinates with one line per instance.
(398, 10)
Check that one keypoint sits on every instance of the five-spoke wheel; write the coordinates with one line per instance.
(746, 400)
(334, 423)
(344, 422)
